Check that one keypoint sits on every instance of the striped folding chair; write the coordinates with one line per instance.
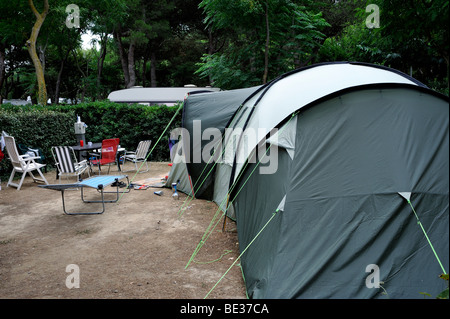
(67, 163)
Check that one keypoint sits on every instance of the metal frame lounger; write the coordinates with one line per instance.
(97, 182)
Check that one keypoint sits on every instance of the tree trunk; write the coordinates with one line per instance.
(2, 69)
(31, 45)
(123, 57)
(82, 73)
(211, 50)
(266, 49)
(58, 82)
(153, 70)
(144, 70)
(41, 53)
(131, 64)
(100, 62)
(58, 79)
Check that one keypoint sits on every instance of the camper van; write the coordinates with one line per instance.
(156, 95)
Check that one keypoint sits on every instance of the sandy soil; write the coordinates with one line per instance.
(138, 248)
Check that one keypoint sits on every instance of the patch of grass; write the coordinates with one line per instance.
(84, 231)
(6, 241)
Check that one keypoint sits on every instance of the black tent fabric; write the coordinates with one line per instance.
(342, 210)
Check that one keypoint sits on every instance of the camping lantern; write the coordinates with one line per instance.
(80, 130)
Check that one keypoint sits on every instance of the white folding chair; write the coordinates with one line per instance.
(22, 164)
(138, 156)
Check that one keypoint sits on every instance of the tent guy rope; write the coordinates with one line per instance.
(251, 242)
(151, 151)
(407, 197)
(194, 190)
(208, 232)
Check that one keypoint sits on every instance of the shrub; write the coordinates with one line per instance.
(44, 127)
(35, 127)
(131, 123)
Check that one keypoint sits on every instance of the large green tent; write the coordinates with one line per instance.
(338, 178)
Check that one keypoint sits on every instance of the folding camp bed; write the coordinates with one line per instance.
(99, 183)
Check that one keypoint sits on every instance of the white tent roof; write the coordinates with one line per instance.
(299, 89)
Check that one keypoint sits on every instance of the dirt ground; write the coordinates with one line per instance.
(138, 248)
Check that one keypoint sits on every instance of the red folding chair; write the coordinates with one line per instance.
(108, 154)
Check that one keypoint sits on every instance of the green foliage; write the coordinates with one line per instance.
(439, 85)
(419, 34)
(273, 36)
(131, 123)
(36, 127)
(443, 294)
(356, 43)
(226, 43)
(44, 127)
(225, 71)
(81, 74)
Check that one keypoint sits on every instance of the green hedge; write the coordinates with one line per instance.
(44, 127)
